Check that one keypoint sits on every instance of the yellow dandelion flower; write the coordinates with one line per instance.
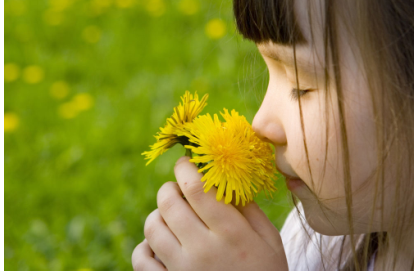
(168, 135)
(59, 90)
(33, 74)
(91, 34)
(233, 158)
(215, 29)
(11, 72)
(188, 7)
(11, 122)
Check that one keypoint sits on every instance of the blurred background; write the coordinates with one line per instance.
(87, 85)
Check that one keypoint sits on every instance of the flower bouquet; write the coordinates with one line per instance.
(228, 153)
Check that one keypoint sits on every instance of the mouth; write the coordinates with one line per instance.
(292, 182)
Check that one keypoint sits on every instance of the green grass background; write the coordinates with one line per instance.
(77, 191)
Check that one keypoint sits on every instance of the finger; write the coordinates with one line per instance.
(261, 224)
(161, 239)
(178, 214)
(143, 259)
(217, 215)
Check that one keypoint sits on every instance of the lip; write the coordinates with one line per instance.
(291, 182)
(294, 183)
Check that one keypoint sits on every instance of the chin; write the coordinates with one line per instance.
(324, 221)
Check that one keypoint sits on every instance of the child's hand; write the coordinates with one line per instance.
(203, 234)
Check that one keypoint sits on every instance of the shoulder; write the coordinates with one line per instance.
(306, 249)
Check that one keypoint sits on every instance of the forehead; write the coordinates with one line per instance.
(306, 58)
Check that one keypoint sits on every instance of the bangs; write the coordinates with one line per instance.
(267, 20)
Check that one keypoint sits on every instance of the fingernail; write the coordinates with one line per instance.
(182, 159)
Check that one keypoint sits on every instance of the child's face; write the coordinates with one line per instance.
(278, 121)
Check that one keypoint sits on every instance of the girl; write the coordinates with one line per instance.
(339, 112)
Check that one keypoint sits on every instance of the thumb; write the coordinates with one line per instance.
(261, 224)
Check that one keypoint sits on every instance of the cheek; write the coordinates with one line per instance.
(362, 139)
(322, 140)
(325, 148)
(324, 143)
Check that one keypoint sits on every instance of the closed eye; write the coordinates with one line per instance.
(295, 94)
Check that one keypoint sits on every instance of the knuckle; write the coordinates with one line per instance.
(140, 265)
(165, 198)
(137, 259)
(165, 188)
(136, 252)
(193, 189)
(165, 203)
(149, 232)
(150, 225)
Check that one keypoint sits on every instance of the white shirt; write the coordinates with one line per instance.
(302, 246)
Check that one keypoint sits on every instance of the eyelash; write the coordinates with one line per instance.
(295, 92)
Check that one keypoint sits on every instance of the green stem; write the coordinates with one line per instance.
(188, 153)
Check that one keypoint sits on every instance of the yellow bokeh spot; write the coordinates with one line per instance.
(91, 34)
(60, 5)
(215, 29)
(83, 101)
(11, 122)
(53, 17)
(11, 72)
(156, 8)
(101, 3)
(16, 8)
(124, 3)
(80, 102)
(99, 6)
(189, 7)
(68, 110)
(33, 74)
(59, 90)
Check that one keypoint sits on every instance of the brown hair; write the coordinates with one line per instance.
(384, 34)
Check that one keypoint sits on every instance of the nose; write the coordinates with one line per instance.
(267, 125)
